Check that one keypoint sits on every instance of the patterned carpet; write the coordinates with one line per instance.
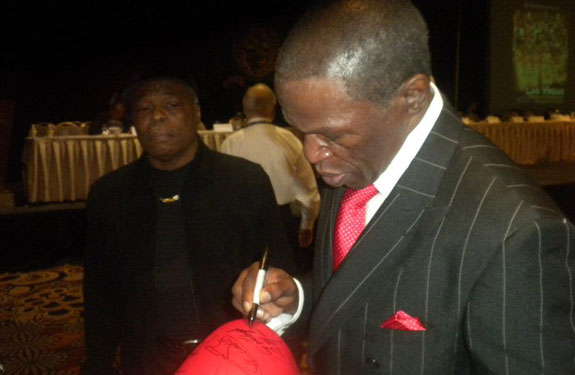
(41, 323)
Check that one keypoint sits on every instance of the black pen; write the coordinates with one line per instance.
(260, 279)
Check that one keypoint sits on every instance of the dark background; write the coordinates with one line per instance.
(63, 60)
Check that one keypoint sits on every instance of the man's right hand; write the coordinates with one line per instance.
(279, 294)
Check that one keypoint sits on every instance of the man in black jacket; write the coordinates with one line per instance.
(167, 235)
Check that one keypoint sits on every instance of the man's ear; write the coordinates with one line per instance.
(417, 94)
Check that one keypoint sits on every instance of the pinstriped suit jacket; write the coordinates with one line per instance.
(469, 244)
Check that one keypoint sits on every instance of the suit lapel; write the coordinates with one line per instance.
(381, 247)
(323, 260)
(395, 233)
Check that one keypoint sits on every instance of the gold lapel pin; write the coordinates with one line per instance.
(170, 200)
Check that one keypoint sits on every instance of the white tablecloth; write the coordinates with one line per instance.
(531, 143)
(63, 168)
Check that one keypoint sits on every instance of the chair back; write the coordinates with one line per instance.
(560, 117)
(41, 129)
(517, 119)
(68, 128)
(536, 118)
(492, 119)
(85, 126)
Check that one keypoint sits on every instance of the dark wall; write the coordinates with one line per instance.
(64, 59)
(473, 56)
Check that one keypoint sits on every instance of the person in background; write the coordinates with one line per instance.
(167, 236)
(238, 121)
(280, 153)
(435, 253)
(115, 116)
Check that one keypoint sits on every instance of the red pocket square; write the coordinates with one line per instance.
(404, 322)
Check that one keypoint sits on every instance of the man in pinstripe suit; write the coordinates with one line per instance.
(465, 265)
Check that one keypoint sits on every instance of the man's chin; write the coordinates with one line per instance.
(334, 180)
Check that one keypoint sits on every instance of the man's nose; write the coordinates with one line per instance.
(158, 113)
(315, 149)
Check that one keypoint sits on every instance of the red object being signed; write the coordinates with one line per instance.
(236, 349)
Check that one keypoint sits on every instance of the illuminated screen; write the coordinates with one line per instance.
(531, 56)
(540, 51)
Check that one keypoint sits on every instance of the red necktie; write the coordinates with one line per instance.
(350, 221)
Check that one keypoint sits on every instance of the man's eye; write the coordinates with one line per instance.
(142, 108)
(174, 105)
(331, 137)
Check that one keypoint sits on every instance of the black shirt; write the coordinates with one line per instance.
(178, 316)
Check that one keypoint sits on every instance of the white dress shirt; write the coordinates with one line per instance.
(389, 178)
(280, 153)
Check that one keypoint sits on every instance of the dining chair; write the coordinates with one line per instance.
(41, 129)
(492, 119)
(68, 128)
(517, 119)
(536, 119)
(85, 126)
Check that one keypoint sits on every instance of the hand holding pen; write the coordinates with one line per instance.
(278, 294)
(260, 279)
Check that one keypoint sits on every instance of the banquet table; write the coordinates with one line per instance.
(62, 168)
(529, 143)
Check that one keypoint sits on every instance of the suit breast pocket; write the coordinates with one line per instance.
(409, 351)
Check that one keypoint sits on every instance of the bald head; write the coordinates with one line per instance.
(372, 46)
(259, 101)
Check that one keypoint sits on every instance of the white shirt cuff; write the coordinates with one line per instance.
(283, 321)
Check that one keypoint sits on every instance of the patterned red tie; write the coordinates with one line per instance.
(350, 221)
